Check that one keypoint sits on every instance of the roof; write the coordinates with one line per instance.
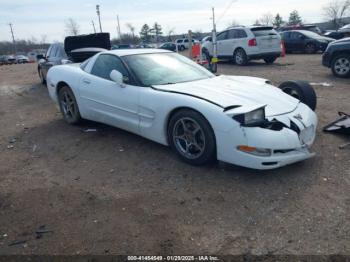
(138, 51)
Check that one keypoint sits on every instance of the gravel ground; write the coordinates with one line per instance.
(112, 192)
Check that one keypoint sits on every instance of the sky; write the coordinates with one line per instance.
(37, 19)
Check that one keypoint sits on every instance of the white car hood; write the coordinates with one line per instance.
(231, 91)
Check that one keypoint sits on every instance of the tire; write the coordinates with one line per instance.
(310, 49)
(195, 144)
(41, 75)
(341, 65)
(240, 57)
(302, 91)
(68, 106)
(270, 60)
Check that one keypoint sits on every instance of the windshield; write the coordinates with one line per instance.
(165, 68)
(311, 34)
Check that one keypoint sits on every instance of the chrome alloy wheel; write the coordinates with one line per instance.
(189, 138)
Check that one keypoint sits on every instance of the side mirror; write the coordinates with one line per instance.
(117, 77)
(38, 57)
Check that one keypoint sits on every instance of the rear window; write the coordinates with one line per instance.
(263, 31)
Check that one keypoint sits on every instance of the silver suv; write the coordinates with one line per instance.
(242, 44)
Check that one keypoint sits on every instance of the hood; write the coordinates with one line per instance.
(100, 40)
(343, 40)
(237, 91)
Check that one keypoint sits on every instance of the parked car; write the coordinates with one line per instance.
(334, 34)
(305, 41)
(208, 38)
(76, 49)
(337, 57)
(242, 44)
(122, 46)
(184, 43)
(345, 29)
(240, 120)
(9, 60)
(22, 59)
(168, 46)
(311, 28)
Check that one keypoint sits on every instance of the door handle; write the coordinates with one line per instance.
(86, 81)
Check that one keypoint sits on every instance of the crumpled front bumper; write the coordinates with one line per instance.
(288, 145)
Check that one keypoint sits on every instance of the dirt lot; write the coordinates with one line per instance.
(112, 192)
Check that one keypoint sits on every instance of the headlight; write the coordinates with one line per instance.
(254, 118)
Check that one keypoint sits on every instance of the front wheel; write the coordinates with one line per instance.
(191, 137)
(310, 49)
(341, 66)
(68, 106)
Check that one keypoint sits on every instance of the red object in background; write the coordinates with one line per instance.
(196, 50)
(283, 47)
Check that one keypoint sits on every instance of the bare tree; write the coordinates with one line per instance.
(170, 32)
(266, 19)
(72, 27)
(336, 10)
(233, 23)
(131, 28)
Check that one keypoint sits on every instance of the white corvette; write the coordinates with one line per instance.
(167, 98)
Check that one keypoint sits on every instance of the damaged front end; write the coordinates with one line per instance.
(275, 141)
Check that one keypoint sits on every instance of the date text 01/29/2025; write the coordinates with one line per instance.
(172, 258)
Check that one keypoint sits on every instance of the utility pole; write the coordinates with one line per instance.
(13, 39)
(99, 17)
(93, 25)
(214, 60)
(119, 32)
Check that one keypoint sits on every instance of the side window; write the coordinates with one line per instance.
(48, 51)
(232, 34)
(295, 35)
(186, 41)
(53, 51)
(241, 34)
(221, 36)
(105, 64)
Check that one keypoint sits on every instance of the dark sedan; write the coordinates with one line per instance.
(168, 46)
(337, 57)
(304, 41)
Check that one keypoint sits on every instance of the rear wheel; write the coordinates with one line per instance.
(191, 137)
(68, 106)
(270, 60)
(302, 91)
(240, 57)
(41, 75)
(341, 65)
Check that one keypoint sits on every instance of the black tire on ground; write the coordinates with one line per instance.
(41, 75)
(200, 145)
(310, 48)
(270, 60)
(240, 57)
(68, 106)
(341, 65)
(302, 91)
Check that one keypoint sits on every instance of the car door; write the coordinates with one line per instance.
(296, 41)
(220, 39)
(45, 64)
(106, 101)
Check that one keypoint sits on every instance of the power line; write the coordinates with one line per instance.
(225, 11)
(13, 38)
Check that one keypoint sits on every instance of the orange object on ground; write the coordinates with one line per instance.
(283, 47)
(196, 50)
